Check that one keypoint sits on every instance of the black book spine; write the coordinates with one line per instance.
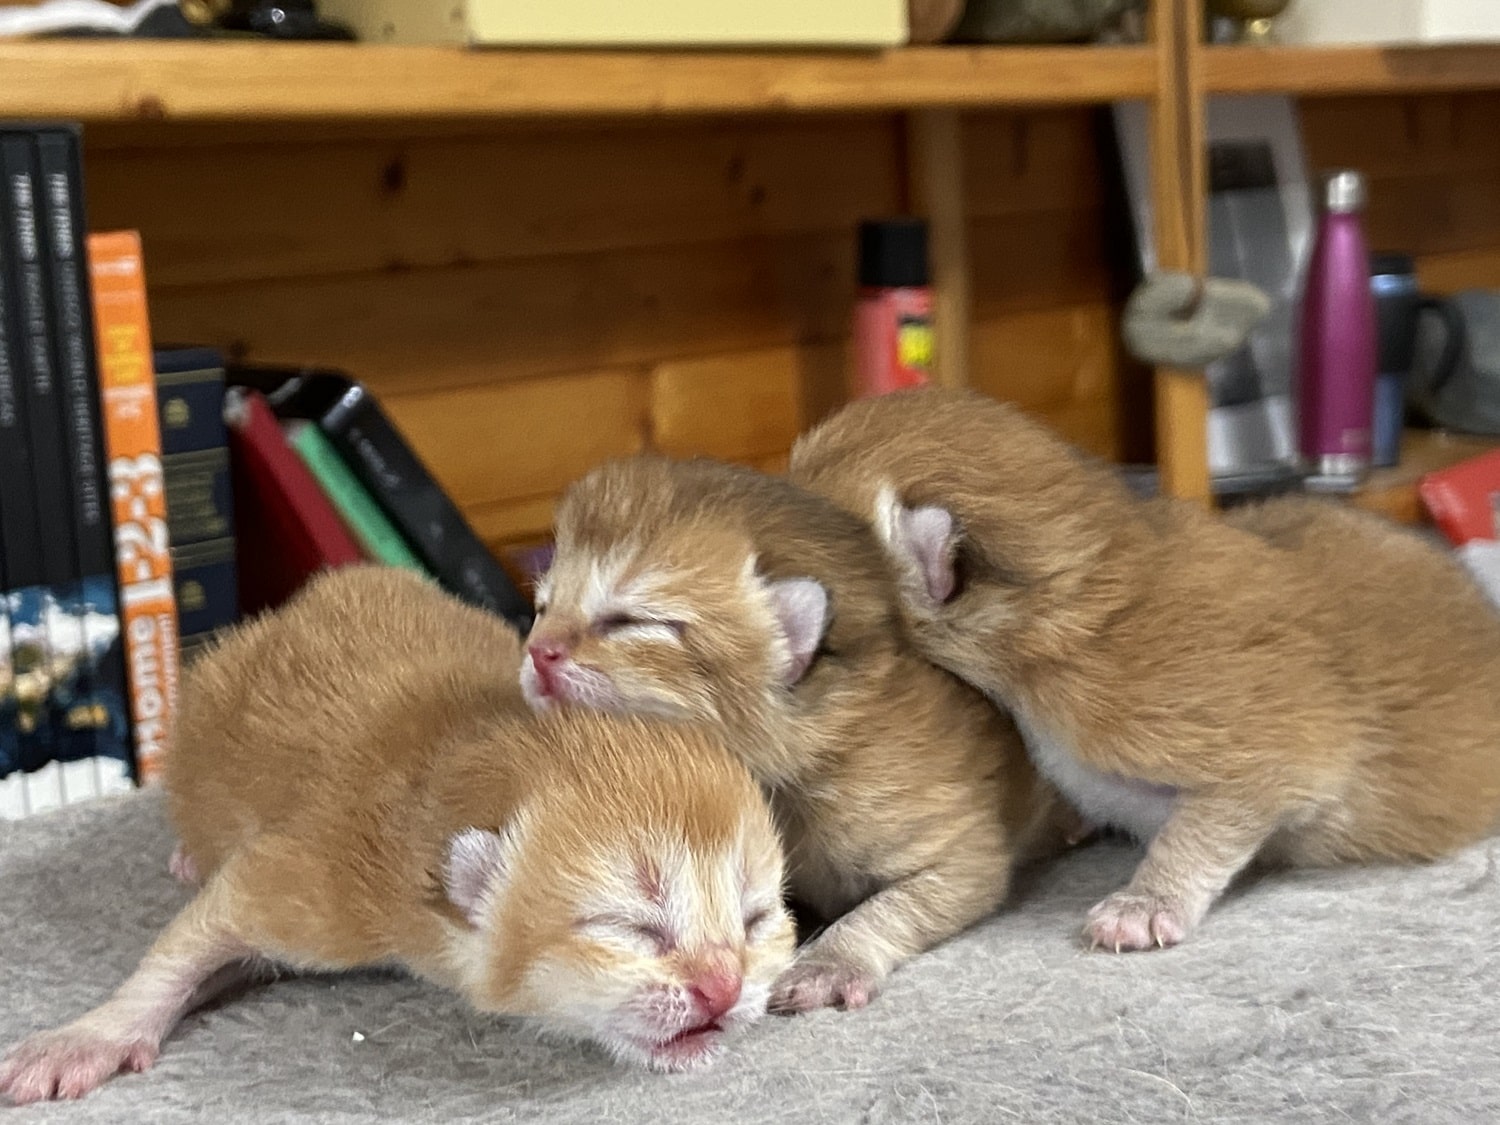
(419, 508)
(14, 467)
(10, 734)
(39, 554)
(102, 698)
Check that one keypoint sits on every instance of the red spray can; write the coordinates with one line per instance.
(893, 338)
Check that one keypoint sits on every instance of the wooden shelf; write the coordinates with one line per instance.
(1393, 491)
(230, 81)
(1349, 70)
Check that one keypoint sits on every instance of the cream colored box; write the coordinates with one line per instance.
(1390, 21)
(626, 23)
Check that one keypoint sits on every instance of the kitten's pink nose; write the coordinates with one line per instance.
(547, 657)
(547, 653)
(716, 992)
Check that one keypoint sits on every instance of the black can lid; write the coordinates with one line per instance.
(1386, 262)
(893, 253)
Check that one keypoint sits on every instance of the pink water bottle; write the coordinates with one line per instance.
(1337, 344)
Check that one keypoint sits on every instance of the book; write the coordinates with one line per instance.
(96, 695)
(1463, 499)
(38, 545)
(200, 494)
(132, 441)
(377, 454)
(10, 735)
(20, 560)
(287, 530)
(363, 517)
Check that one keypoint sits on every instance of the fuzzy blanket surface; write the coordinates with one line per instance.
(1354, 995)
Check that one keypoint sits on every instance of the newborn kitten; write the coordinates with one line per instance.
(1296, 681)
(703, 591)
(357, 782)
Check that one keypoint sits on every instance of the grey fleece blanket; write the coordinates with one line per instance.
(1356, 995)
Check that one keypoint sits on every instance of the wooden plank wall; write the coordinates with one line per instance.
(1434, 169)
(527, 302)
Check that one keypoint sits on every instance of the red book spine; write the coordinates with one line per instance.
(286, 528)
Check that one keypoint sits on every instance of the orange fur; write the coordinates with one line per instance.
(1295, 681)
(327, 758)
(904, 798)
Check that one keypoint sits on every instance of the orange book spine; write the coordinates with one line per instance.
(137, 488)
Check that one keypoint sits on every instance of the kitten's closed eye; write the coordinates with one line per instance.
(638, 933)
(755, 921)
(640, 624)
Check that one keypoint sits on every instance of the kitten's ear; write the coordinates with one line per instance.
(924, 540)
(476, 864)
(801, 608)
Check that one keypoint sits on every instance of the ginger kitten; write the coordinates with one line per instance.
(708, 592)
(357, 783)
(1295, 682)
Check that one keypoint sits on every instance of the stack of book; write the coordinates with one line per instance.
(149, 498)
(321, 471)
(67, 714)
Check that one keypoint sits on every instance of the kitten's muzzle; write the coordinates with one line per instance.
(716, 993)
(547, 660)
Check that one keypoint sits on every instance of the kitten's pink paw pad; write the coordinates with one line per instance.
(182, 867)
(1126, 921)
(815, 984)
(68, 1063)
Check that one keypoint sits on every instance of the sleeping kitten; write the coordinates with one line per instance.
(707, 592)
(1296, 681)
(357, 782)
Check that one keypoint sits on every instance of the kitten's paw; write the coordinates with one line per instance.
(182, 867)
(1127, 921)
(69, 1062)
(812, 984)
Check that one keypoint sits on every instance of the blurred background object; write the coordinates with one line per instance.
(1038, 21)
(930, 21)
(1244, 21)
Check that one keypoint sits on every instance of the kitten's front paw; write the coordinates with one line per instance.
(812, 984)
(68, 1063)
(1127, 921)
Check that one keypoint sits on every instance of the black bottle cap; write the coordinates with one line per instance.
(893, 253)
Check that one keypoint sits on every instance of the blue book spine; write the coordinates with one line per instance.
(200, 497)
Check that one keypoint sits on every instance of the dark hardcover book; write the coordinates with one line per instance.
(200, 492)
(35, 496)
(10, 735)
(379, 456)
(98, 694)
(13, 468)
(288, 529)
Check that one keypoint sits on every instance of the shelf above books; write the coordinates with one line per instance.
(239, 81)
(1350, 70)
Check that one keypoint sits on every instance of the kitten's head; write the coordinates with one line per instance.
(693, 589)
(995, 527)
(636, 901)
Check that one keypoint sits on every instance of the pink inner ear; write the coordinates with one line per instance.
(475, 860)
(929, 535)
(801, 606)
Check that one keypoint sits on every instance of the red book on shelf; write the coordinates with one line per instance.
(1462, 498)
(286, 529)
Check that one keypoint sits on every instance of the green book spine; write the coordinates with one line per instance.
(370, 527)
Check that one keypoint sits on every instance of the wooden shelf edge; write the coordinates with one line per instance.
(1350, 70)
(1393, 491)
(238, 81)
